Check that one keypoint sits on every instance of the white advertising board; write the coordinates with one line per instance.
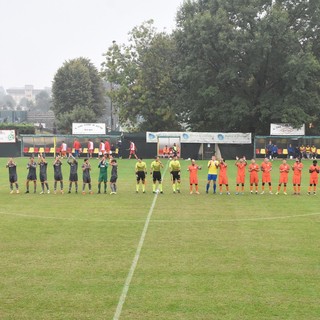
(7, 136)
(89, 128)
(203, 137)
(285, 129)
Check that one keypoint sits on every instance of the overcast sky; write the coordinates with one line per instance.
(37, 36)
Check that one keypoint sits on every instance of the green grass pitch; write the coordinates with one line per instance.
(203, 256)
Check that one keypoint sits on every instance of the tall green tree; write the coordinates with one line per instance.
(246, 64)
(143, 78)
(77, 94)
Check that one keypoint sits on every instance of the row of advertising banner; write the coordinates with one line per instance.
(7, 136)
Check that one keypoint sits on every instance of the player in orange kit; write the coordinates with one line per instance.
(266, 168)
(223, 177)
(284, 169)
(314, 170)
(241, 174)
(193, 176)
(254, 178)
(297, 173)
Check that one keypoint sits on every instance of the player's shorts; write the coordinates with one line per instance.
(296, 179)
(266, 178)
(86, 179)
(58, 177)
(73, 177)
(313, 181)
(175, 175)
(32, 177)
(13, 178)
(254, 179)
(156, 176)
(193, 180)
(132, 151)
(240, 179)
(223, 180)
(283, 179)
(103, 177)
(212, 177)
(43, 177)
(141, 175)
(113, 179)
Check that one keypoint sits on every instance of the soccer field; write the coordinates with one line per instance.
(164, 256)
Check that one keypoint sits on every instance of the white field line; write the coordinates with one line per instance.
(136, 257)
(159, 220)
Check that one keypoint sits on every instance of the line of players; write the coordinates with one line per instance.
(215, 167)
(32, 165)
(266, 168)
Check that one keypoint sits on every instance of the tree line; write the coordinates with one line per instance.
(227, 66)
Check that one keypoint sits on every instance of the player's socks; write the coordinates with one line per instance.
(105, 187)
(143, 188)
(55, 186)
(207, 187)
(178, 186)
(61, 185)
(99, 187)
(70, 186)
(160, 187)
(214, 188)
(174, 188)
(137, 187)
(154, 187)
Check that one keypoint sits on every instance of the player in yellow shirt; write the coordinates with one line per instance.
(141, 170)
(175, 169)
(213, 166)
(156, 166)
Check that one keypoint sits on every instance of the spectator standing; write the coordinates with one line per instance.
(291, 151)
(63, 149)
(90, 148)
(132, 150)
(77, 148)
